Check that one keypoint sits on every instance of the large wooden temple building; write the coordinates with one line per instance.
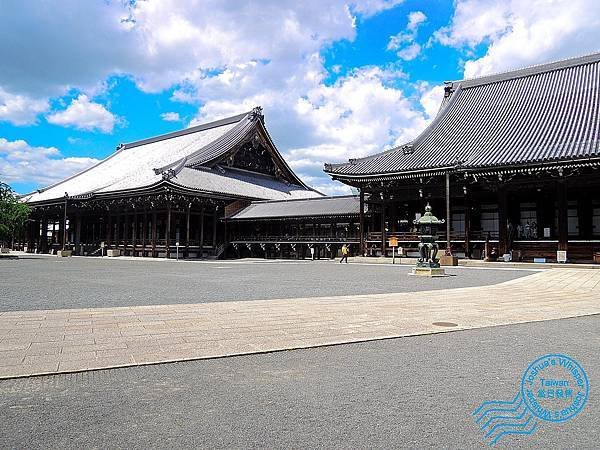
(512, 159)
(166, 194)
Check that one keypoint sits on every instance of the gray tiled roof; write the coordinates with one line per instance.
(175, 158)
(239, 183)
(545, 113)
(316, 207)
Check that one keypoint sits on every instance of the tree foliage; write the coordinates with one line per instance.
(13, 213)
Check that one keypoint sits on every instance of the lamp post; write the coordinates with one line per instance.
(428, 265)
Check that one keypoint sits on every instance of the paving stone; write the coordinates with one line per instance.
(151, 334)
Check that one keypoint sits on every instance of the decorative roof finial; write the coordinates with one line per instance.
(257, 113)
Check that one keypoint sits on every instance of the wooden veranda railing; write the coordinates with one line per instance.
(410, 236)
(275, 238)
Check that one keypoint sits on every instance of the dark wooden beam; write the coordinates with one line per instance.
(202, 231)
(154, 233)
(383, 236)
(134, 230)
(168, 233)
(109, 229)
(215, 229)
(64, 233)
(467, 225)
(448, 215)
(187, 231)
(361, 218)
(563, 220)
(144, 231)
(502, 220)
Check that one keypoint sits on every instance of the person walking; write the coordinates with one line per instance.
(344, 254)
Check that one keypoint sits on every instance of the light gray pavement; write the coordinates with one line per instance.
(44, 282)
(48, 341)
(414, 392)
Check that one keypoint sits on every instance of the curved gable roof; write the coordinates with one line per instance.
(545, 113)
(148, 162)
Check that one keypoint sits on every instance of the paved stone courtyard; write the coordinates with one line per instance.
(415, 392)
(42, 282)
(62, 340)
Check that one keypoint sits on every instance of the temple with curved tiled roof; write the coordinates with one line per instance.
(512, 159)
(167, 193)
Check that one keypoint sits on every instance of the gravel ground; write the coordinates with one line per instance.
(38, 282)
(415, 392)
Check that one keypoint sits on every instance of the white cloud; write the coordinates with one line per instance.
(415, 19)
(410, 52)
(431, 99)
(20, 109)
(357, 116)
(21, 162)
(162, 42)
(404, 42)
(226, 59)
(522, 33)
(84, 114)
(313, 123)
(170, 117)
(369, 8)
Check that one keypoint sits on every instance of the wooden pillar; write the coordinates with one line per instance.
(126, 231)
(215, 228)
(202, 231)
(383, 236)
(448, 215)
(117, 226)
(168, 233)
(77, 237)
(502, 220)
(109, 229)
(64, 233)
(467, 225)
(187, 231)
(144, 231)
(42, 245)
(154, 233)
(134, 230)
(563, 220)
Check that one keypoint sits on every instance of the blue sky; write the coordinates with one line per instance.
(337, 79)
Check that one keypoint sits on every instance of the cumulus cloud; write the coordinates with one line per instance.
(84, 114)
(431, 99)
(409, 53)
(368, 8)
(226, 59)
(312, 123)
(521, 33)
(359, 115)
(20, 109)
(159, 43)
(21, 162)
(404, 42)
(170, 117)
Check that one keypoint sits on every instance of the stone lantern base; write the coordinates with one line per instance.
(429, 272)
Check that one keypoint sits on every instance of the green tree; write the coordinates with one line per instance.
(13, 214)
